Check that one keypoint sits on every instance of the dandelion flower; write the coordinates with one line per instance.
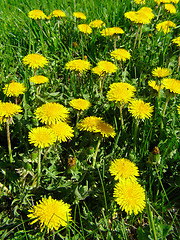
(96, 24)
(85, 28)
(124, 169)
(35, 60)
(139, 1)
(39, 79)
(143, 16)
(89, 124)
(165, 26)
(111, 31)
(172, 84)
(170, 8)
(51, 213)
(41, 137)
(78, 65)
(51, 113)
(105, 129)
(130, 196)
(120, 54)
(163, 1)
(140, 110)
(14, 89)
(97, 70)
(154, 85)
(178, 108)
(117, 30)
(174, 1)
(79, 15)
(177, 41)
(8, 110)
(161, 72)
(80, 104)
(121, 92)
(63, 131)
(36, 14)
(58, 13)
(107, 67)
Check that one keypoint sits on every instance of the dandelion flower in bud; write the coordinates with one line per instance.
(41, 137)
(165, 26)
(85, 28)
(37, 14)
(79, 15)
(161, 72)
(51, 214)
(96, 24)
(8, 110)
(38, 79)
(121, 92)
(107, 67)
(124, 169)
(35, 60)
(139, 109)
(52, 113)
(58, 13)
(120, 54)
(171, 84)
(78, 65)
(177, 41)
(62, 131)
(14, 89)
(80, 104)
(153, 85)
(130, 196)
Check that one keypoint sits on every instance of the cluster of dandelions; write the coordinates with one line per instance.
(128, 193)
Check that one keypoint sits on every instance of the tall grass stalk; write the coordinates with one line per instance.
(9, 139)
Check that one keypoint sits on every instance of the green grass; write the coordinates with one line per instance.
(89, 190)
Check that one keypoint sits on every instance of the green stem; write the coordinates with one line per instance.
(121, 116)
(9, 140)
(164, 109)
(101, 84)
(151, 220)
(95, 154)
(136, 38)
(140, 36)
(39, 165)
(135, 134)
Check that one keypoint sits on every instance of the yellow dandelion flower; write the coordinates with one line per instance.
(117, 30)
(80, 104)
(51, 213)
(79, 15)
(130, 196)
(85, 28)
(147, 11)
(63, 131)
(153, 85)
(162, 1)
(139, 109)
(35, 60)
(14, 89)
(96, 24)
(107, 67)
(161, 72)
(140, 1)
(105, 129)
(41, 137)
(165, 26)
(111, 31)
(120, 54)
(170, 8)
(172, 84)
(124, 169)
(78, 65)
(174, 1)
(97, 70)
(178, 108)
(51, 113)
(9, 109)
(121, 92)
(37, 14)
(177, 41)
(89, 124)
(58, 13)
(143, 16)
(38, 79)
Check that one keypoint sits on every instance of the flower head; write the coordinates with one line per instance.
(97, 70)
(163, 1)
(80, 104)
(51, 213)
(161, 72)
(170, 8)
(165, 26)
(139, 1)
(79, 15)
(177, 41)
(140, 110)
(63, 131)
(130, 196)
(78, 65)
(37, 14)
(120, 54)
(89, 124)
(105, 129)
(96, 24)
(58, 13)
(143, 16)
(38, 79)
(14, 89)
(121, 92)
(35, 60)
(41, 137)
(111, 31)
(153, 85)
(124, 169)
(107, 67)
(9, 109)
(51, 113)
(85, 28)
(172, 84)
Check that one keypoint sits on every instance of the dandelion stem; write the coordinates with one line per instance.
(140, 36)
(164, 109)
(95, 154)
(135, 134)
(178, 64)
(101, 84)
(136, 38)
(9, 140)
(121, 116)
(39, 165)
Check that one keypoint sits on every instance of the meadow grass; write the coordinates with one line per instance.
(77, 171)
